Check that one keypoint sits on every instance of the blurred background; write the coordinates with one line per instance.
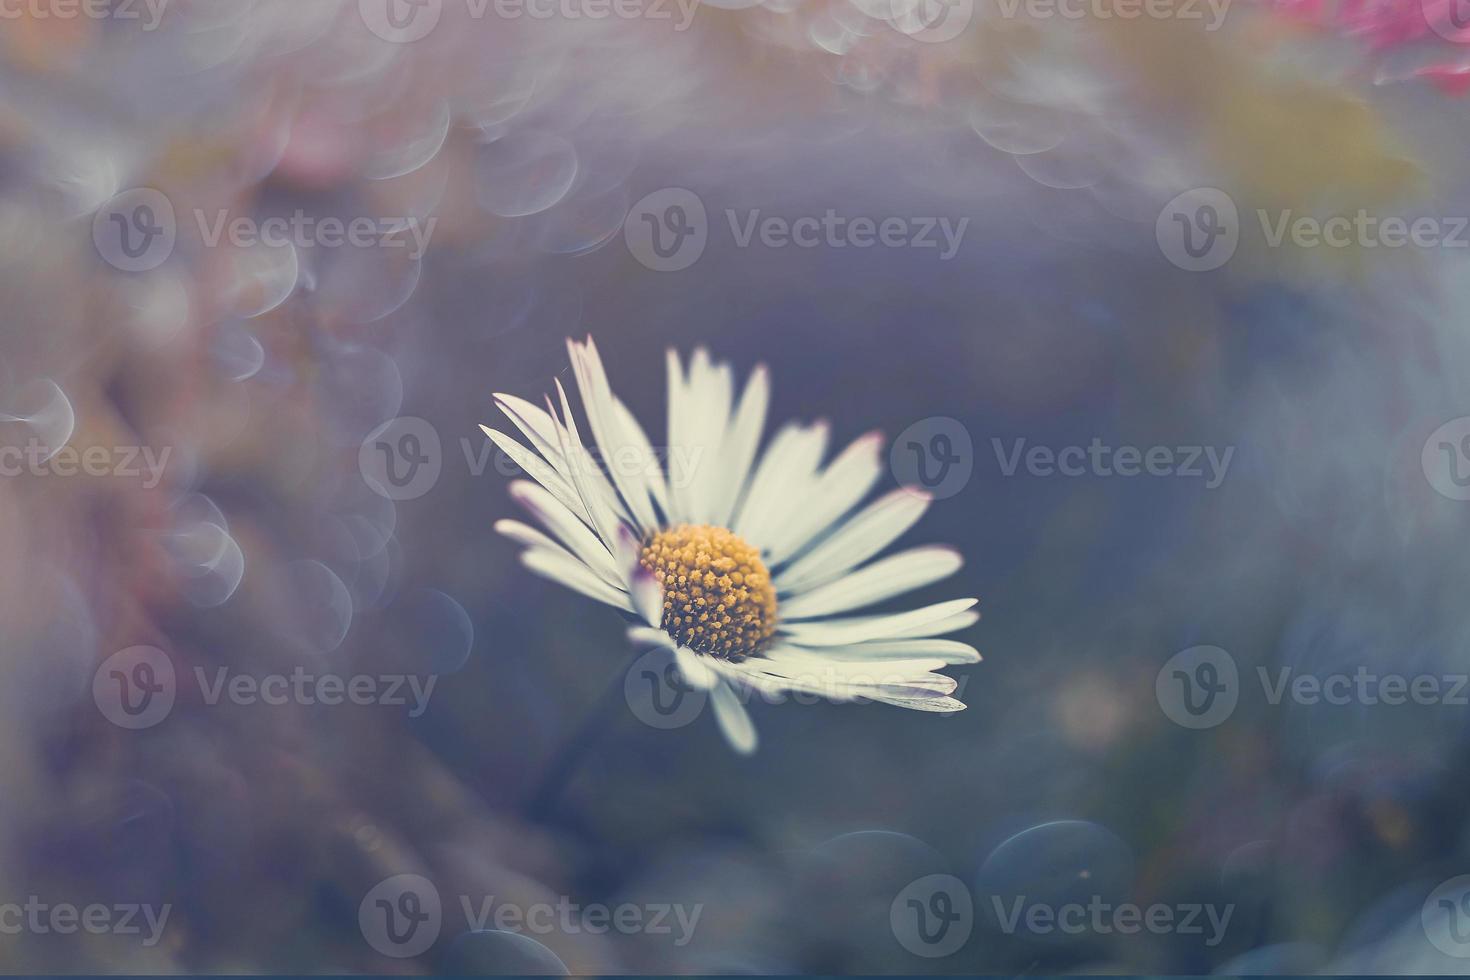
(244, 244)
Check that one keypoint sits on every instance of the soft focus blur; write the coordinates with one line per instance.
(1163, 299)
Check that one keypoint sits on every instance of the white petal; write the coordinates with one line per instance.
(648, 596)
(527, 535)
(881, 580)
(539, 470)
(708, 393)
(694, 669)
(654, 475)
(647, 635)
(733, 719)
(570, 531)
(940, 704)
(945, 651)
(775, 678)
(592, 486)
(791, 660)
(781, 478)
(680, 418)
(858, 629)
(740, 445)
(539, 429)
(602, 416)
(808, 670)
(939, 627)
(560, 567)
(868, 533)
(840, 488)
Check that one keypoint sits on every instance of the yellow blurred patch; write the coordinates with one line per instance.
(38, 43)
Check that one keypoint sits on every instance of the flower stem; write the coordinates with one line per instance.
(568, 759)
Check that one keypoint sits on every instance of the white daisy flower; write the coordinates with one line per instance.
(746, 565)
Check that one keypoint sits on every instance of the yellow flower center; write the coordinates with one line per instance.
(718, 596)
